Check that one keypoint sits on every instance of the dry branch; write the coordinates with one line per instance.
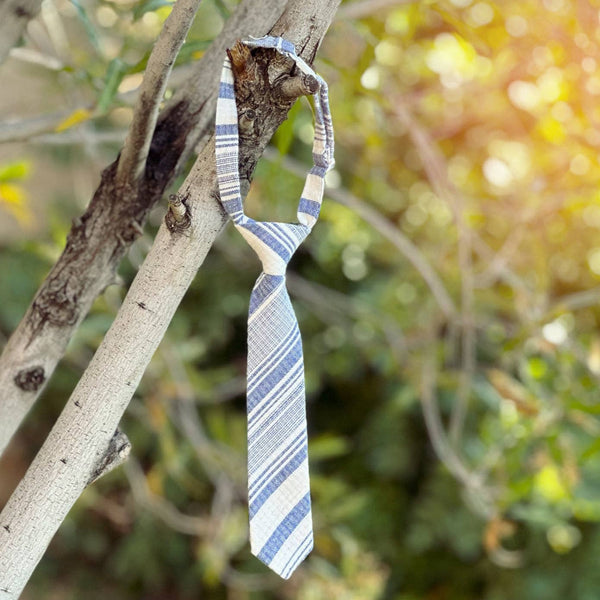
(82, 433)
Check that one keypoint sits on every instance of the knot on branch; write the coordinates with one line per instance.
(30, 379)
(291, 88)
(178, 217)
(117, 453)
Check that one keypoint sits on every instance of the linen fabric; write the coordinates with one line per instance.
(279, 502)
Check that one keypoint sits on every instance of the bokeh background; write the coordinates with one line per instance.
(448, 300)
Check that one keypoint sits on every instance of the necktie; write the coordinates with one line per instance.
(278, 482)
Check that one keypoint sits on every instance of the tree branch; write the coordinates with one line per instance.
(436, 171)
(83, 430)
(162, 508)
(14, 16)
(137, 144)
(114, 219)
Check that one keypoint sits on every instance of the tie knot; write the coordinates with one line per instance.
(274, 243)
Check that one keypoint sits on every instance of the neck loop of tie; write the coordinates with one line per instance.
(227, 144)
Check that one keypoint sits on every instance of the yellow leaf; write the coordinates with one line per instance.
(552, 130)
(11, 194)
(549, 483)
(76, 117)
(13, 197)
(154, 479)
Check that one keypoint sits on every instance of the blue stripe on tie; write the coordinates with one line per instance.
(261, 370)
(233, 206)
(227, 130)
(288, 47)
(318, 170)
(265, 286)
(309, 207)
(286, 452)
(269, 382)
(282, 235)
(284, 530)
(276, 358)
(226, 91)
(291, 411)
(298, 459)
(304, 547)
(273, 442)
(269, 239)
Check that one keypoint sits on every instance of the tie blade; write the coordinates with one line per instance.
(290, 542)
(278, 479)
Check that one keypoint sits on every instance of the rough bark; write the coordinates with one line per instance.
(14, 16)
(134, 154)
(113, 220)
(82, 433)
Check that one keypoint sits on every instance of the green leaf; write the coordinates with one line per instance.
(284, 136)
(114, 75)
(328, 446)
(14, 171)
(149, 6)
(87, 24)
(222, 8)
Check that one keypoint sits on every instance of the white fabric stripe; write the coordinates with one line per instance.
(267, 519)
(269, 368)
(280, 560)
(264, 305)
(257, 470)
(298, 556)
(277, 421)
(273, 264)
(289, 382)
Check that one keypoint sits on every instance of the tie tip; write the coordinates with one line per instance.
(285, 565)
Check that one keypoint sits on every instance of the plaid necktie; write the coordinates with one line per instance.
(278, 484)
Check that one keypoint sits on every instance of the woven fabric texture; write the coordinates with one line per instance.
(278, 481)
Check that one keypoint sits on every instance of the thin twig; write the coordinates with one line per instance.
(576, 301)
(34, 128)
(160, 507)
(387, 229)
(444, 451)
(161, 61)
(436, 171)
(215, 458)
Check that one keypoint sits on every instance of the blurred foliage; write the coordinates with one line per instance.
(472, 128)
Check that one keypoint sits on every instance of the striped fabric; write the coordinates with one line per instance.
(278, 484)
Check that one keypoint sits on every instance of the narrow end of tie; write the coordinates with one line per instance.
(286, 560)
